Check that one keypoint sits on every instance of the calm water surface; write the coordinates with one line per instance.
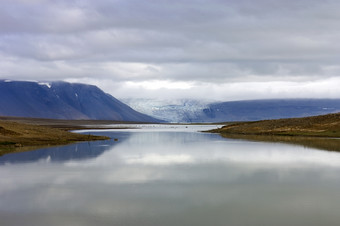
(171, 175)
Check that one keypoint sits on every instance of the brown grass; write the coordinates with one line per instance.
(14, 135)
(317, 126)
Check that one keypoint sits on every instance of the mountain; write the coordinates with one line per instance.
(251, 110)
(61, 100)
(254, 110)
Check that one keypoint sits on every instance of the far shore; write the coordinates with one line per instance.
(321, 132)
(313, 126)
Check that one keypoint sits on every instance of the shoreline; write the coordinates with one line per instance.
(327, 126)
(320, 132)
(24, 136)
(21, 134)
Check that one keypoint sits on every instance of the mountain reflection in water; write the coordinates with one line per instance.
(77, 151)
(172, 176)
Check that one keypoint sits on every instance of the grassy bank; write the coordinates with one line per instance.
(16, 136)
(316, 126)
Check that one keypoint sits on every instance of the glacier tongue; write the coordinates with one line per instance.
(180, 110)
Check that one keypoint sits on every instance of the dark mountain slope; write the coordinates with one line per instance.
(268, 109)
(60, 100)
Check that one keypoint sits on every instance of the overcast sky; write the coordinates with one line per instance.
(211, 49)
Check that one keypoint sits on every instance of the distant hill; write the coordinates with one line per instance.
(201, 111)
(61, 100)
(253, 110)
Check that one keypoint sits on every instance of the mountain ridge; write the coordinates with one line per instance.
(254, 110)
(62, 100)
(196, 111)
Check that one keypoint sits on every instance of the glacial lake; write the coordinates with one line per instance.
(160, 175)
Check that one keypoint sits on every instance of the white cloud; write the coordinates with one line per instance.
(319, 88)
(156, 85)
(157, 159)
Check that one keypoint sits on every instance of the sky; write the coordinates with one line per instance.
(201, 49)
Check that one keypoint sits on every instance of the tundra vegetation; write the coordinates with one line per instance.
(18, 136)
(316, 132)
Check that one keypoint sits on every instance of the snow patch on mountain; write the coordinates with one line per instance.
(45, 84)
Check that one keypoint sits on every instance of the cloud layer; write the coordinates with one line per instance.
(198, 44)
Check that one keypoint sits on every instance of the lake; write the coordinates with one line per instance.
(171, 175)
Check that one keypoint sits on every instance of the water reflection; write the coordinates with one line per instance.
(77, 151)
(176, 178)
(327, 144)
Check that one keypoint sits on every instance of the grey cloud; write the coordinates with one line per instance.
(197, 40)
